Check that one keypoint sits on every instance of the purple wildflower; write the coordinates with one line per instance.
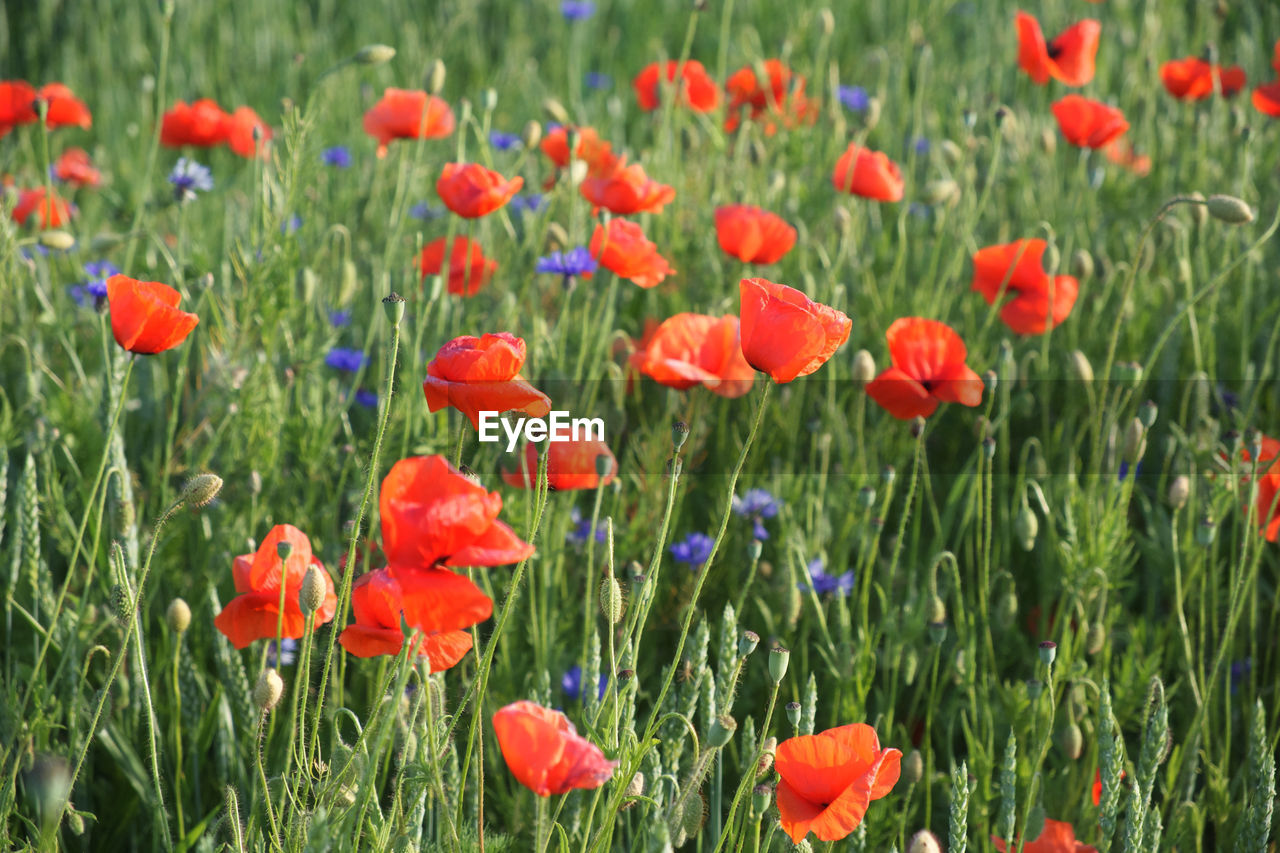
(824, 583)
(571, 683)
(349, 360)
(577, 10)
(854, 98)
(694, 551)
(338, 156)
(503, 141)
(568, 264)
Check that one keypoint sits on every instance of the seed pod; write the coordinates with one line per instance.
(1048, 651)
(761, 797)
(793, 713)
(722, 728)
(178, 616)
(778, 660)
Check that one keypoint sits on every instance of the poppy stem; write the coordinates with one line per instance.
(749, 776)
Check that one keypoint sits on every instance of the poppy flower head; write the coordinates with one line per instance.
(786, 334)
(626, 190)
(866, 173)
(145, 317)
(202, 124)
(695, 349)
(376, 602)
(1068, 58)
(407, 114)
(65, 109)
(622, 248)
(828, 780)
(1267, 513)
(753, 235)
(432, 514)
(1087, 123)
(570, 465)
(475, 375)
(590, 148)
(779, 100)
(1057, 837)
(255, 613)
(1039, 301)
(75, 167)
(471, 191)
(928, 368)
(469, 269)
(697, 90)
(1266, 99)
(17, 104)
(241, 126)
(545, 753)
(1193, 79)
(52, 213)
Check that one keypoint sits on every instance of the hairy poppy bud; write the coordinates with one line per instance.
(375, 54)
(1179, 491)
(121, 606)
(924, 841)
(951, 152)
(267, 692)
(827, 21)
(556, 110)
(611, 604)
(913, 767)
(872, 116)
(201, 490)
(1025, 528)
(935, 611)
(1051, 258)
(1071, 741)
(1081, 264)
(1134, 441)
(57, 240)
(778, 660)
(940, 191)
(178, 616)
(864, 367)
(313, 590)
(635, 788)
(1229, 209)
(435, 78)
(1096, 639)
(765, 764)
(1081, 367)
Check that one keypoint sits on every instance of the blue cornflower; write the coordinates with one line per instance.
(577, 10)
(528, 202)
(568, 264)
(189, 177)
(854, 98)
(349, 360)
(824, 583)
(339, 318)
(96, 287)
(581, 531)
(367, 398)
(920, 145)
(503, 141)
(338, 156)
(424, 211)
(571, 683)
(757, 505)
(288, 652)
(293, 223)
(1124, 470)
(598, 80)
(693, 551)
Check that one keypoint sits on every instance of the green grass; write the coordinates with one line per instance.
(249, 397)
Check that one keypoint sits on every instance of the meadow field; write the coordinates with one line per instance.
(929, 351)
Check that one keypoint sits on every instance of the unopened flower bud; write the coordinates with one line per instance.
(267, 692)
(1129, 372)
(913, 767)
(178, 616)
(435, 78)
(1147, 413)
(1081, 367)
(556, 110)
(765, 764)
(1052, 257)
(532, 134)
(1096, 639)
(843, 219)
(935, 610)
(375, 54)
(611, 603)
(1071, 741)
(924, 841)
(940, 191)
(635, 788)
(864, 367)
(1025, 528)
(1048, 651)
(313, 590)
(1082, 264)
(1179, 491)
(1134, 441)
(827, 21)
(1229, 209)
(200, 490)
(58, 240)
(778, 660)
(1007, 609)
(951, 152)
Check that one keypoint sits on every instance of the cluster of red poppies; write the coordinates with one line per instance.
(204, 124)
(772, 94)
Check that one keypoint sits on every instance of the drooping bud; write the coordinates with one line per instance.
(635, 788)
(1082, 264)
(1229, 209)
(1052, 257)
(267, 692)
(827, 21)
(935, 610)
(1096, 638)
(58, 240)
(532, 134)
(313, 590)
(178, 616)
(1081, 367)
(375, 54)
(200, 490)
(1025, 528)
(1007, 609)
(556, 110)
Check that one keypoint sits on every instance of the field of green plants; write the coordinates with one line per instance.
(926, 356)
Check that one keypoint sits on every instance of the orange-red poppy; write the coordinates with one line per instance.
(50, 214)
(65, 109)
(785, 333)
(870, 174)
(626, 189)
(928, 368)
(475, 375)
(407, 114)
(545, 753)
(1039, 300)
(1088, 123)
(1266, 99)
(1122, 153)
(1056, 837)
(145, 317)
(1193, 79)
(570, 465)
(695, 349)
(827, 781)
(697, 90)
(202, 123)
(780, 100)
(254, 614)
(433, 514)
(471, 191)
(1068, 58)
(377, 603)
(240, 127)
(623, 250)
(75, 167)
(753, 235)
(469, 269)
(590, 149)
(1267, 514)
(17, 104)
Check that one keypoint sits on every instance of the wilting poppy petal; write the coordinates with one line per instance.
(145, 317)
(471, 191)
(785, 333)
(407, 114)
(545, 754)
(870, 174)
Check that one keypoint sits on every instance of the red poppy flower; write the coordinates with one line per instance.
(623, 250)
(203, 124)
(469, 269)
(591, 149)
(753, 235)
(407, 114)
(781, 100)
(1056, 837)
(828, 780)
(1266, 99)
(52, 214)
(627, 189)
(482, 374)
(692, 349)
(1268, 509)
(431, 513)
(145, 318)
(1068, 58)
(376, 602)
(928, 368)
(570, 465)
(255, 613)
(1088, 124)
(65, 109)
(786, 334)
(1122, 153)
(240, 126)
(545, 753)
(17, 104)
(870, 174)
(1192, 79)
(697, 90)
(1040, 301)
(471, 191)
(75, 167)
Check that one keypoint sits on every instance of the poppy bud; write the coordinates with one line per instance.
(793, 713)
(1134, 441)
(1025, 527)
(75, 822)
(872, 115)
(1081, 264)
(121, 606)
(761, 797)
(864, 367)
(532, 134)
(766, 757)
(57, 240)
(917, 426)
(178, 616)
(611, 603)
(935, 611)
(313, 590)
(722, 728)
(778, 660)
(556, 110)
(747, 643)
(375, 54)
(924, 841)
(267, 692)
(951, 152)
(1200, 212)
(940, 191)
(827, 21)
(693, 816)
(1007, 609)
(990, 379)
(435, 78)
(1051, 258)
(395, 307)
(910, 666)
(1096, 638)
(1048, 651)
(1049, 140)
(679, 434)
(1179, 491)
(913, 767)
(1081, 367)
(200, 490)
(1229, 209)
(1205, 532)
(1071, 741)
(937, 632)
